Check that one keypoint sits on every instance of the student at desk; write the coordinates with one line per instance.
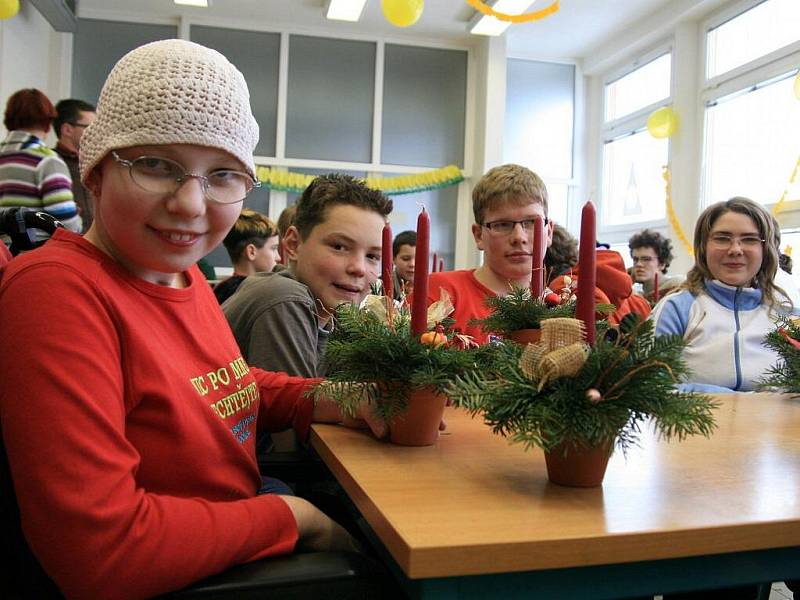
(729, 300)
(129, 427)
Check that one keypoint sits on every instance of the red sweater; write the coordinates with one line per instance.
(467, 295)
(129, 418)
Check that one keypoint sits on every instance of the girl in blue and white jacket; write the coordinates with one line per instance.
(729, 301)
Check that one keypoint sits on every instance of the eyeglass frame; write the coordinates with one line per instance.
(204, 185)
(753, 240)
(521, 223)
(81, 125)
(643, 259)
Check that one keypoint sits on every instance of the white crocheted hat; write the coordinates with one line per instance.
(172, 92)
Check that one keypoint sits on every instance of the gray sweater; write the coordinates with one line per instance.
(274, 321)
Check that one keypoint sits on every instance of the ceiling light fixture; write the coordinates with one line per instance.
(200, 3)
(486, 25)
(344, 10)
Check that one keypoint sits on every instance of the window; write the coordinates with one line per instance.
(633, 185)
(638, 89)
(752, 143)
(632, 189)
(764, 28)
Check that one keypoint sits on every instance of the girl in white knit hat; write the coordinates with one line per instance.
(128, 414)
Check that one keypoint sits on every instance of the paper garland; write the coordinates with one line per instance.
(287, 181)
(673, 218)
(523, 18)
(778, 207)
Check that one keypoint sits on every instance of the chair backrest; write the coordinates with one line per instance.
(21, 575)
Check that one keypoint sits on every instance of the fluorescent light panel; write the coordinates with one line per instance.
(487, 25)
(345, 10)
(200, 3)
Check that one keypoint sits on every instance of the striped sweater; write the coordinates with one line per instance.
(33, 175)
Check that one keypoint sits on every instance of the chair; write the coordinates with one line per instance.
(296, 577)
(20, 225)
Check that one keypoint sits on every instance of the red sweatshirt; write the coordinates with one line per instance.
(614, 286)
(129, 418)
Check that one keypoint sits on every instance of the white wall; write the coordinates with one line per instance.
(32, 55)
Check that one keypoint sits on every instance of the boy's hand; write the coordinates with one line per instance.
(375, 422)
(317, 532)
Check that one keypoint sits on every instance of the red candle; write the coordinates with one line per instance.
(587, 275)
(655, 287)
(441, 265)
(386, 261)
(537, 271)
(434, 263)
(419, 306)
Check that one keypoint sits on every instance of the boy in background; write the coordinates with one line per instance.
(252, 245)
(403, 251)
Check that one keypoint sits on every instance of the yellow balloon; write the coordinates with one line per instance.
(797, 86)
(662, 123)
(402, 13)
(8, 8)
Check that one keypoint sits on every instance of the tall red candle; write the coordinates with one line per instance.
(386, 261)
(434, 263)
(587, 271)
(655, 287)
(537, 264)
(419, 306)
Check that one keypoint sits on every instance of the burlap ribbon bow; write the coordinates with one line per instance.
(561, 352)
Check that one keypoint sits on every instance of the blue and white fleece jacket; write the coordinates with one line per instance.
(724, 328)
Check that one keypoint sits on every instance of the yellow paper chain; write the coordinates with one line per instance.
(523, 18)
(673, 218)
(405, 184)
(778, 207)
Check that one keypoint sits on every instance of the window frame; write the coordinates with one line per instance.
(743, 79)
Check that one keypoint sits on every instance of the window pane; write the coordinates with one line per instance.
(644, 86)
(255, 54)
(441, 205)
(424, 106)
(98, 45)
(633, 184)
(751, 144)
(557, 199)
(539, 116)
(330, 99)
(759, 31)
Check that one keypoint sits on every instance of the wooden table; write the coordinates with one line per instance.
(474, 516)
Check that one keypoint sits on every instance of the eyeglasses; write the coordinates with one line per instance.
(506, 227)
(163, 176)
(81, 125)
(724, 241)
(643, 259)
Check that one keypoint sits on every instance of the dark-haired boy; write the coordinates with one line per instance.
(282, 321)
(404, 249)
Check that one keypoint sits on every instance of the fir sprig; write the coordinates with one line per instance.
(519, 310)
(635, 376)
(368, 358)
(785, 374)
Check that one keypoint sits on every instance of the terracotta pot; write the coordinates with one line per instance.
(354, 423)
(582, 466)
(526, 336)
(419, 424)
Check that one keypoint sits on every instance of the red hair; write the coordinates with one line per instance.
(28, 109)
